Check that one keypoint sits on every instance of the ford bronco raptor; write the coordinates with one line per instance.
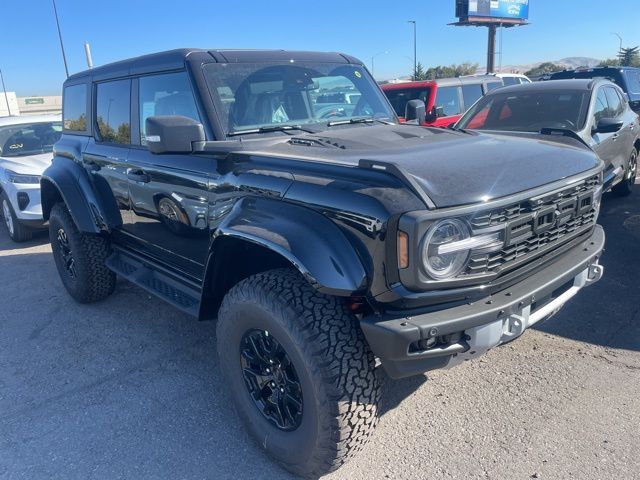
(323, 237)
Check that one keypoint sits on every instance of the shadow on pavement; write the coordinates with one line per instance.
(608, 313)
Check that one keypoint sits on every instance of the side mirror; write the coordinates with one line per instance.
(435, 113)
(415, 110)
(608, 125)
(173, 134)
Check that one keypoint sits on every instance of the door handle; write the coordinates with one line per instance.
(615, 136)
(138, 176)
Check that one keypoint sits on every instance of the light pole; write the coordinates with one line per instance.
(64, 56)
(373, 58)
(5, 94)
(415, 49)
(618, 35)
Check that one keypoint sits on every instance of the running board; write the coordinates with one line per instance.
(181, 296)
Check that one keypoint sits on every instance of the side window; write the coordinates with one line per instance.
(511, 80)
(471, 94)
(113, 111)
(166, 94)
(633, 82)
(74, 108)
(601, 108)
(449, 100)
(494, 85)
(615, 102)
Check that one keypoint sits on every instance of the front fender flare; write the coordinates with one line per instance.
(311, 242)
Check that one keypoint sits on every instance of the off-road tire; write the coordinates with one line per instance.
(18, 232)
(625, 188)
(335, 366)
(92, 280)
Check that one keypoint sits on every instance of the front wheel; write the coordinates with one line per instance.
(80, 258)
(300, 372)
(625, 187)
(17, 231)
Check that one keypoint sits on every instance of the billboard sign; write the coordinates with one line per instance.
(506, 9)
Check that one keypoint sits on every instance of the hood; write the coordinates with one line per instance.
(453, 168)
(28, 165)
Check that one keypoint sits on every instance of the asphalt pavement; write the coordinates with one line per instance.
(130, 388)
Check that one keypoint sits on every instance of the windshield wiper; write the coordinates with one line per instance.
(352, 121)
(270, 128)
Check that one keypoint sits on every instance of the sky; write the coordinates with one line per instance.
(31, 61)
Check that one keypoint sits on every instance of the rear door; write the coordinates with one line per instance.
(169, 193)
(107, 152)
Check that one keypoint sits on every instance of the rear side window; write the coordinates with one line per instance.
(449, 100)
(113, 111)
(167, 94)
(633, 83)
(471, 94)
(74, 108)
(494, 85)
(511, 80)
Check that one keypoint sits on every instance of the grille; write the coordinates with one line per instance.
(536, 225)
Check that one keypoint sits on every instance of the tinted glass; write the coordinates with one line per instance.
(601, 109)
(74, 108)
(471, 94)
(511, 80)
(494, 85)
(633, 82)
(400, 97)
(29, 138)
(249, 96)
(614, 75)
(168, 94)
(615, 103)
(113, 110)
(527, 112)
(448, 99)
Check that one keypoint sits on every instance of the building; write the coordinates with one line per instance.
(29, 105)
(8, 104)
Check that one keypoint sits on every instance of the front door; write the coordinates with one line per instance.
(169, 194)
(604, 144)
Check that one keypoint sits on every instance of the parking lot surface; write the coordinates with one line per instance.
(130, 388)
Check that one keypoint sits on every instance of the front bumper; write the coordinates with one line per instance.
(401, 343)
(31, 214)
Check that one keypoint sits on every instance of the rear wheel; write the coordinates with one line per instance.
(17, 231)
(80, 258)
(300, 372)
(625, 187)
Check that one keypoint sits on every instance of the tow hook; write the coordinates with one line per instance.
(595, 273)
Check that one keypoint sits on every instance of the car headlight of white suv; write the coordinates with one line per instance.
(20, 178)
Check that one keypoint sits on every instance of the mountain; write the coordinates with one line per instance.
(569, 63)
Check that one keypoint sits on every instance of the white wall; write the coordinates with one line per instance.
(13, 104)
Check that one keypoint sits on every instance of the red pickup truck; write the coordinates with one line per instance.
(446, 99)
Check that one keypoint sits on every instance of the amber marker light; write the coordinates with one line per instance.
(403, 250)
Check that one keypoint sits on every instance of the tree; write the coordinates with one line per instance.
(629, 57)
(419, 74)
(543, 68)
(448, 71)
(610, 62)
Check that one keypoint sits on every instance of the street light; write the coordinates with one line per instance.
(415, 49)
(618, 35)
(373, 58)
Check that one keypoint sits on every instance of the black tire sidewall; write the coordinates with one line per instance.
(58, 219)
(20, 232)
(288, 447)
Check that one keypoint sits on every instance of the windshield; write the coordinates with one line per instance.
(29, 138)
(252, 96)
(527, 111)
(401, 96)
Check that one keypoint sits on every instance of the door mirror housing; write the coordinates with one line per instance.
(173, 134)
(608, 125)
(435, 113)
(415, 110)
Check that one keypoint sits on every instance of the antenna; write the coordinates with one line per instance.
(6, 99)
(87, 52)
(64, 56)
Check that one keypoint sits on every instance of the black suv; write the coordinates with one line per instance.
(320, 236)
(627, 78)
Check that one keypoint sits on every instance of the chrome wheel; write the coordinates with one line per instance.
(66, 253)
(271, 379)
(8, 219)
(632, 170)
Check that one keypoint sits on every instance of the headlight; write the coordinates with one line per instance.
(438, 264)
(448, 244)
(14, 177)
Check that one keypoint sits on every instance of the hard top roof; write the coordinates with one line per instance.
(175, 59)
(586, 84)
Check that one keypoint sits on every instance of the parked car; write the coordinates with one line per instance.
(324, 242)
(445, 99)
(594, 111)
(627, 78)
(512, 78)
(26, 144)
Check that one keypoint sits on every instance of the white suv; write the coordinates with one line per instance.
(26, 143)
